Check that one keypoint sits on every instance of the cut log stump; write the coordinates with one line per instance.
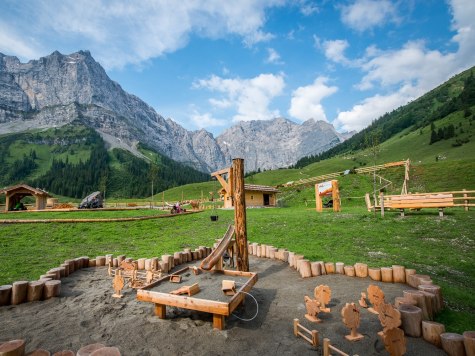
(361, 270)
(453, 344)
(436, 290)
(387, 274)
(89, 349)
(349, 271)
(5, 294)
(305, 269)
(374, 274)
(35, 291)
(431, 332)
(340, 268)
(469, 342)
(106, 351)
(12, 348)
(19, 292)
(316, 269)
(411, 317)
(51, 289)
(399, 274)
(330, 267)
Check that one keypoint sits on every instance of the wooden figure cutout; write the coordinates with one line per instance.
(313, 308)
(376, 297)
(323, 296)
(118, 283)
(389, 316)
(362, 300)
(149, 277)
(196, 270)
(394, 342)
(351, 318)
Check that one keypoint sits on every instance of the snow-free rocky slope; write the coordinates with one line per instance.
(58, 89)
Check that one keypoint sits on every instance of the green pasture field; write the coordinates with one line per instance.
(81, 214)
(443, 248)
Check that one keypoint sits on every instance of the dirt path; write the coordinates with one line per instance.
(86, 313)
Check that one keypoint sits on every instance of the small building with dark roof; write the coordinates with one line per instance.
(16, 193)
(256, 196)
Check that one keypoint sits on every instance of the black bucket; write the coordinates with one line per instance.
(214, 217)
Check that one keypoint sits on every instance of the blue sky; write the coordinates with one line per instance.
(211, 63)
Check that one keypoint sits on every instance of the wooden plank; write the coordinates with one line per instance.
(167, 277)
(218, 322)
(161, 311)
(220, 172)
(204, 305)
(239, 296)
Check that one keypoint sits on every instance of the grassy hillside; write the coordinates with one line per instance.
(72, 161)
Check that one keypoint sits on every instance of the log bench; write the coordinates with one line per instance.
(422, 201)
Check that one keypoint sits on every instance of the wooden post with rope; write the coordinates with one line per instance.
(237, 188)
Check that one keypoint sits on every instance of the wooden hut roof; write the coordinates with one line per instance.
(260, 188)
(35, 191)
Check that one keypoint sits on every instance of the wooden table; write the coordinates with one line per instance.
(219, 309)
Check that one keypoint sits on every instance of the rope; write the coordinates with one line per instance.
(257, 308)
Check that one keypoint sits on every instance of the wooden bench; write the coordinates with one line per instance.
(420, 201)
(371, 207)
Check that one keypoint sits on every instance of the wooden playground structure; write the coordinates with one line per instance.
(220, 303)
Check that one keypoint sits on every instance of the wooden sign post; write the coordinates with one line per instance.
(240, 214)
(326, 188)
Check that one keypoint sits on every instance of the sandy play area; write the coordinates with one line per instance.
(86, 313)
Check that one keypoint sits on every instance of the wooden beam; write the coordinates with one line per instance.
(240, 214)
(221, 172)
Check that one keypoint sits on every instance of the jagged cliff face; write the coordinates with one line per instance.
(58, 89)
(276, 143)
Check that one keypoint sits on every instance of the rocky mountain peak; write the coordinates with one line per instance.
(57, 89)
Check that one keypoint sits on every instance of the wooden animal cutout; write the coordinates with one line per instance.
(323, 295)
(376, 297)
(313, 308)
(389, 316)
(362, 300)
(118, 283)
(394, 342)
(351, 318)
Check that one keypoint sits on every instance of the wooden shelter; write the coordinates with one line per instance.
(255, 195)
(16, 193)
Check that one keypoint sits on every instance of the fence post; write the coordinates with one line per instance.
(381, 198)
(466, 200)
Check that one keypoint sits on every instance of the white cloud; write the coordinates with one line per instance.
(273, 56)
(249, 98)
(206, 120)
(335, 50)
(121, 32)
(12, 43)
(307, 7)
(365, 14)
(370, 109)
(409, 72)
(306, 101)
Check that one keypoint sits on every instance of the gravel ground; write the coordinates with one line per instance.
(86, 313)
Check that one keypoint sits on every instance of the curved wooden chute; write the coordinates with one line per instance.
(218, 252)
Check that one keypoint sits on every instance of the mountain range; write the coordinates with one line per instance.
(58, 89)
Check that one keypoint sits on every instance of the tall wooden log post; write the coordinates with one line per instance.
(239, 196)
